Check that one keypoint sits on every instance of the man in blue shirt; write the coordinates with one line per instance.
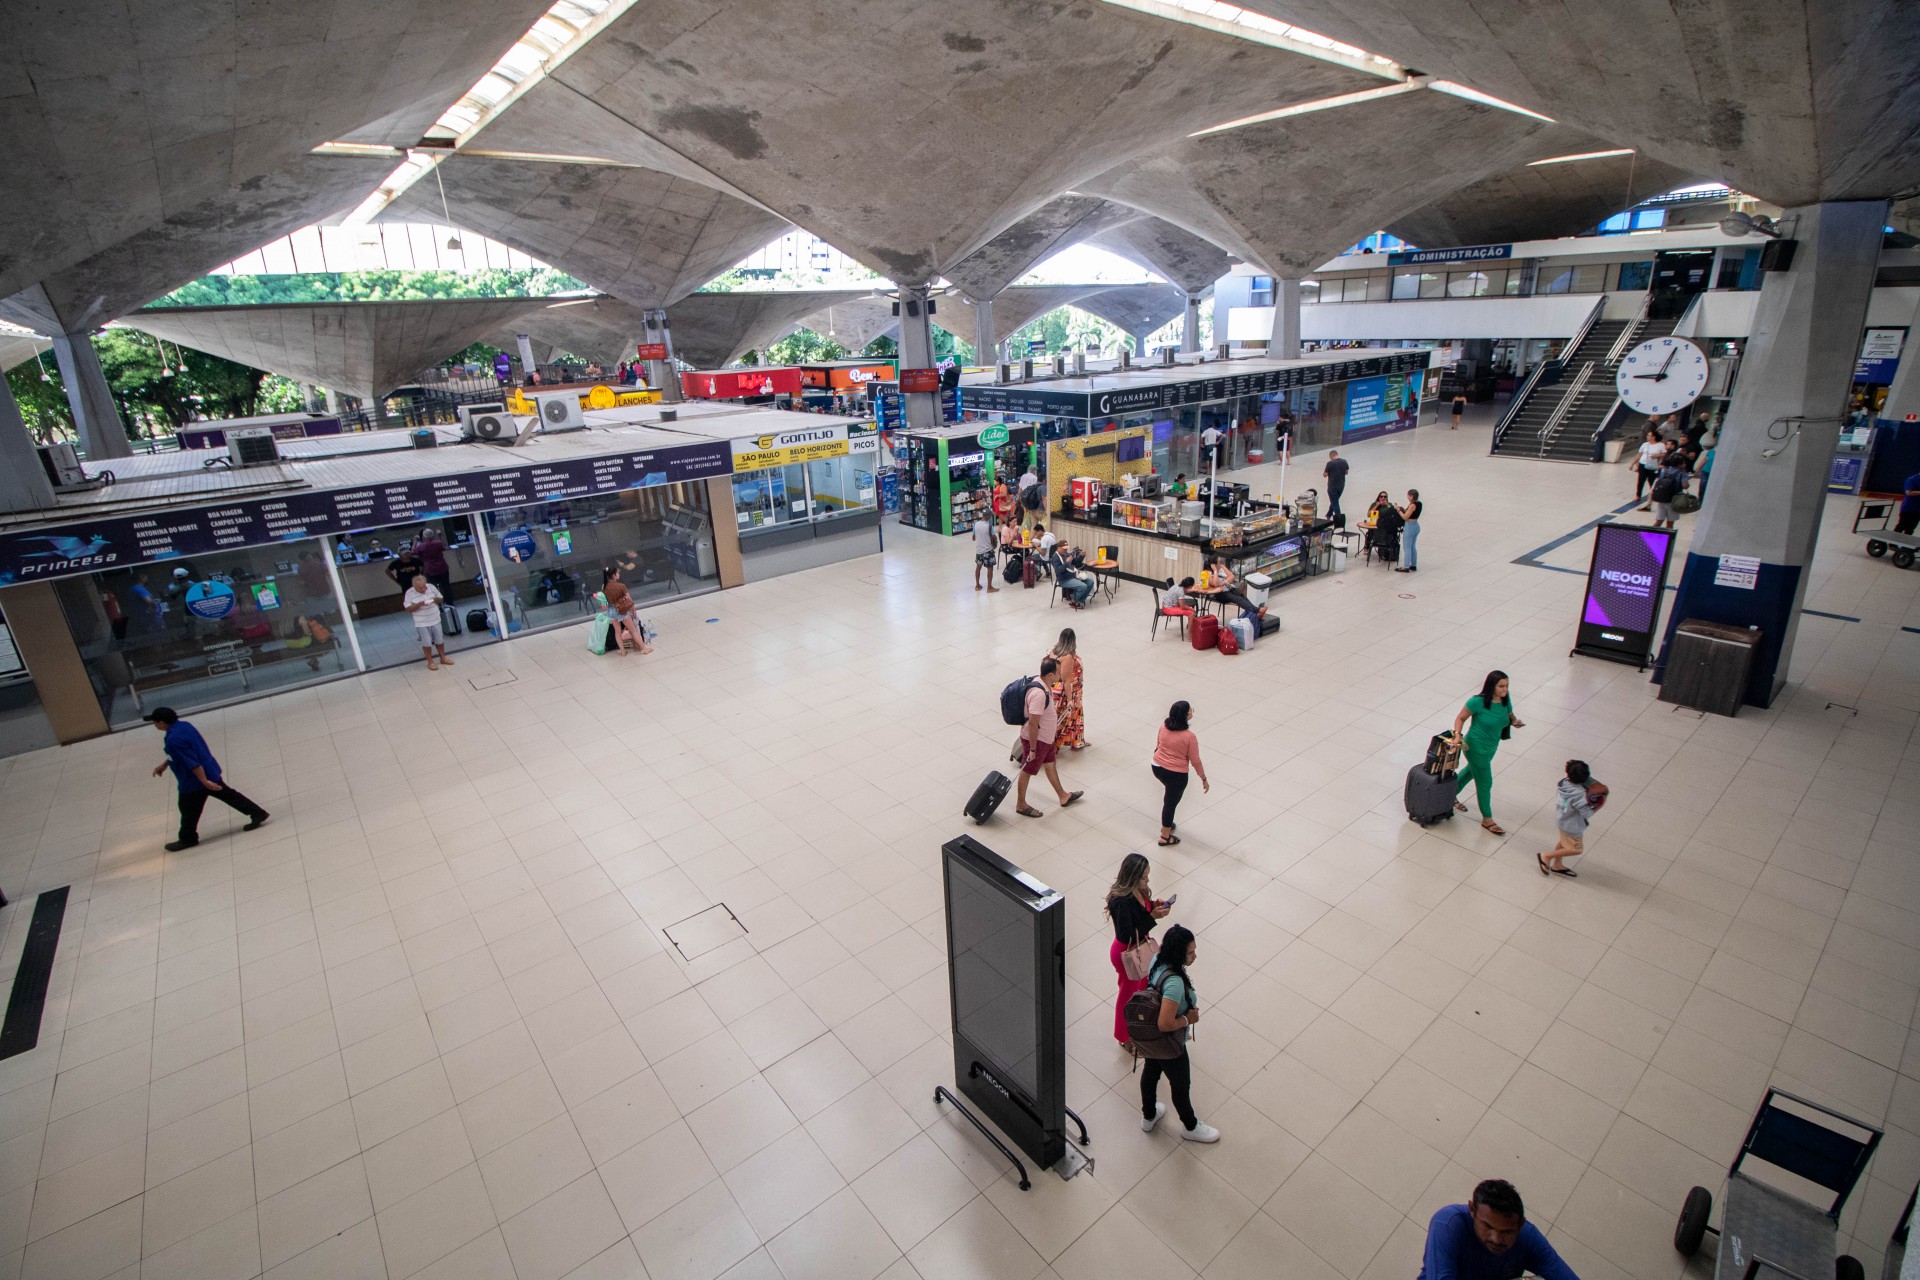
(198, 773)
(1909, 505)
(1489, 1238)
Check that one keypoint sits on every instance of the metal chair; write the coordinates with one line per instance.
(1160, 614)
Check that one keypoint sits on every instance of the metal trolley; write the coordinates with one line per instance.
(1871, 521)
(1770, 1229)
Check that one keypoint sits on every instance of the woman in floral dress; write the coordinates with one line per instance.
(1073, 719)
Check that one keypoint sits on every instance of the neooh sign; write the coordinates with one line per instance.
(1625, 581)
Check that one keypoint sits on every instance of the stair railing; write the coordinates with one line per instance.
(1631, 333)
(1599, 437)
(1533, 378)
(1551, 428)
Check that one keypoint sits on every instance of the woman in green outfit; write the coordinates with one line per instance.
(1485, 718)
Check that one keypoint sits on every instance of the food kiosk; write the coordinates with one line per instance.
(944, 470)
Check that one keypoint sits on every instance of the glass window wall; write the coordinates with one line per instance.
(192, 633)
(377, 565)
(551, 557)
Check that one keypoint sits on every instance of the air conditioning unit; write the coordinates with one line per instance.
(62, 466)
(560, 411)
(491, 423)
(466, 413)
(251, 446)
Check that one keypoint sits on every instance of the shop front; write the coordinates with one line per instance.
(841, 386)
(750, 385)
(946, 470)
(376, 566)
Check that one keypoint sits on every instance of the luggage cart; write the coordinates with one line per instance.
(1871, 521)
(1769, 1229)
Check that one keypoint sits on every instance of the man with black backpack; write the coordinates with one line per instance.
(1038, 738)
(1668, 483)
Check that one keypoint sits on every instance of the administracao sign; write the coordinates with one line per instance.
(782, 448)
(1468, 253)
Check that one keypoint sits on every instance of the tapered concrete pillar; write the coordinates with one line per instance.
(95, 412)
(1284, 342)
(664, 375)
(1190, 327)
(984, 347)
(1776, 445)
(1903, 393)
(1139, 341)
(916, 352)
(332, 399)
(23, 482)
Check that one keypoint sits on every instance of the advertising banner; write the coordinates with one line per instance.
(651, 351)
(1879, 355)
(1625, 582)
(1138, 397)
(780, 448)
(116, 541)
(919, 381)
(1377, 406)
(741, 384)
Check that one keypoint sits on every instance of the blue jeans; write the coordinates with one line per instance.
(1077, 589)
(1409, 539)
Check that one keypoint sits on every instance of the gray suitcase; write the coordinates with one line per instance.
(1429, 797)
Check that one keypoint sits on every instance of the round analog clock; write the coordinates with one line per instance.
(1662, 375)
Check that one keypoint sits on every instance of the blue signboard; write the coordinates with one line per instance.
(518, 545)
(1470, 253)
(210, 600)
(1377, 406)
(1879, 356)
(1846, 472)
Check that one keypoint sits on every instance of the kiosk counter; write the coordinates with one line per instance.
(1152, 542)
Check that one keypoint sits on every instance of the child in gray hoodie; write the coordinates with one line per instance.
(1577, 797)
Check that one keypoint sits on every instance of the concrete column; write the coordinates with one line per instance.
(332, 399)
(1189, 327)
(1776, 445)
(1284, 342)
(1140, 344)
(23, 482)
(916, 352)
(983, 343)
(95, 412)
(663, 374)
(527, 362)
(1903, 394)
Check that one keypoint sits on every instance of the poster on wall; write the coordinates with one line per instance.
(1378, 406)
(1625, 582)
(1879, 355)
(10, 663)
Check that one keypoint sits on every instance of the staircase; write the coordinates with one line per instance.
(1558, 421)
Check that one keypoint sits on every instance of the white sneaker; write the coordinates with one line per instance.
(1159, 1109)
(1201, 1133)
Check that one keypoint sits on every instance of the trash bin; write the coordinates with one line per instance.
(1614, 450)
(1339, 557)
(1708, 666)
(1258, 587)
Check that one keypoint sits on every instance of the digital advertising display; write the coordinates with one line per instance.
(1006, 965)
(1625, 582)
(1377, 406)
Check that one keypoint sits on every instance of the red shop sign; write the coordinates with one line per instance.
(919, 381)
(652, 351)
(737, 384)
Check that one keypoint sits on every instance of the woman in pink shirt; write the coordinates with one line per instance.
(1174, 754)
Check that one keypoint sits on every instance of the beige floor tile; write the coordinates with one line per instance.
(782, 1183)
(838, 1241)
(1502, 1147)
(698, 1238)
(1426, 1106)
(1382, 1156)
(1336, 1217)
(566, 1230)
(434, 1222)
(913, 1191)
(1264, 1248)
(975, 1244)
(1120, 1241)
(308, 1212)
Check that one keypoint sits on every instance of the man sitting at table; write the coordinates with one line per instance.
(1223, 588)
(1074, 585)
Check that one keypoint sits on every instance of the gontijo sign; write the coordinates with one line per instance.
(781, 448)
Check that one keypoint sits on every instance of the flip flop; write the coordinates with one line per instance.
(1071, 797)
(1568, 872)
(1544, 868)
(1030, 812)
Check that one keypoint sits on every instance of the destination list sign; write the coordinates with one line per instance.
(1172, 395)
(87, 546)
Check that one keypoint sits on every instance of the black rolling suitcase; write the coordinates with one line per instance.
(988, 795)
(1429, 796)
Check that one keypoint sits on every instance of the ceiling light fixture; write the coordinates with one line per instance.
(453, 239)
(1584, 155)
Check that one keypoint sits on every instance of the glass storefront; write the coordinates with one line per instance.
(191, 633)
(375, 568)
(772, 496)
(817, 490)
(23, 722)
(551, 557)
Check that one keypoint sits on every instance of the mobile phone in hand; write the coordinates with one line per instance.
(1171, 900)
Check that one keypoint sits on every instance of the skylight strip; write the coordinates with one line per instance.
(1229, 19)
(1318, 104)
(1474, 95)
(1584, 155)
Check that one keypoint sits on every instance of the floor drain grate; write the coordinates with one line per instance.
(493, 680)
(705, 931)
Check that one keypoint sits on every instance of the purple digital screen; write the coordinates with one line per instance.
(1625, 580)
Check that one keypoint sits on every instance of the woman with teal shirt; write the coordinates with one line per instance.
(1486, 718)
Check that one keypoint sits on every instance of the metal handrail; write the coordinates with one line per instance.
(1633, 327)
(1560, 411)
(1606, 420)
(1526, 388)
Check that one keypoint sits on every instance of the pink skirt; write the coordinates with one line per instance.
(1127, 987)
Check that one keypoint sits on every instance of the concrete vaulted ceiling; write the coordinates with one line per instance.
(117, 116)
(1138, 308)
(1288, 194)
(645, 236)
(937, 144)
(365, 349)
(1175, 254)
(1540, 202)
(1058, 224)
(185, 246)
(1793, 101)
(713, 329)
(1012, 309)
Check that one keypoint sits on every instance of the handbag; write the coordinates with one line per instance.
(1137, 960)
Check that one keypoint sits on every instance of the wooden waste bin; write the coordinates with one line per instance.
(1709, 666)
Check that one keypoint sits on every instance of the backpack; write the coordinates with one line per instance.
(1665, 486)
(1142, 1012)
(1031, 498)
(1013, 699)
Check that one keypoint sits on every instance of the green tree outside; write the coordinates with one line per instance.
(372, 286)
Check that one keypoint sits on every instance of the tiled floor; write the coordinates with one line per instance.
(426, 1022)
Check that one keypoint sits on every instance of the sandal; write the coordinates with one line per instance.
(1493, 826)
(1071, 797)
(1028, 811)
(1544, 868)
(1568, 872)
(1458, 807)
(1168, 840)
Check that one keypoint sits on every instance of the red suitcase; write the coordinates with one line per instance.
(1205, 632)
(1229, 642)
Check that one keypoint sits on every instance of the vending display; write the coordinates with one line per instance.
(1148, 517)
